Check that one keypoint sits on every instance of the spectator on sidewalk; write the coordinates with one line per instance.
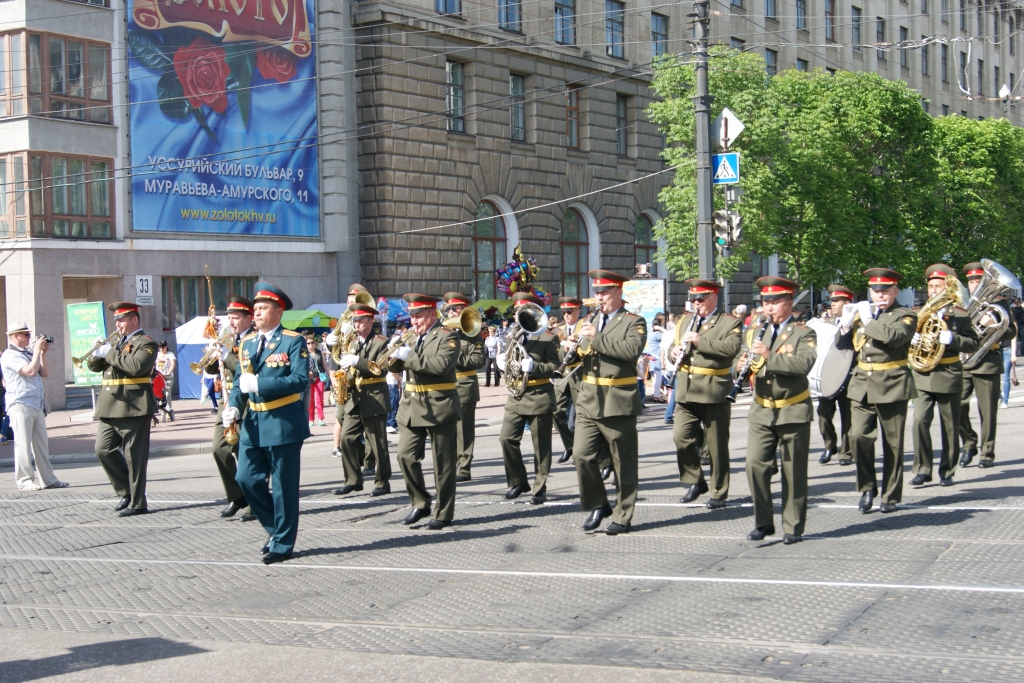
(394, 380)
(24, 366)
(317, 379)
(491, 347)
(167, 365)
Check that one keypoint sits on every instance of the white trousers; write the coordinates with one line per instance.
(30, 442)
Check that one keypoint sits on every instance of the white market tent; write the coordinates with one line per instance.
(191, 345)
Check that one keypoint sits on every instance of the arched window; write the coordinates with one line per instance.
(1013, 27)
(575, 254)
(645, 245)
(489, 250)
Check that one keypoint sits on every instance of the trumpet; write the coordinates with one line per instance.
(573, 354)
(212, 352)
(377, 366)
(77, 362)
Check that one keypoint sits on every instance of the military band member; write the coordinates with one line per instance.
(370, 463)
(567, 390)
(836, 443)
(274, 375)
(430, 407)
(609, 403)
(364, 414)
(880, 385)
(941, 387)
(535, 408)
(471, 359)
(705, 344)
(125, 407)
(983, 380)
(780, 417)
(239, 314)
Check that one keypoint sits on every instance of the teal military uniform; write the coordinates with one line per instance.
(984, 380)
(364, 415)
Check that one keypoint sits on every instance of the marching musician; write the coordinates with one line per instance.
(880, 385)
(780, 417)
(567, 390)
(706, 342)
(471, 359)
(365, 410)
(355, 291)
(609, 403)
(942, 386)
(534, 407)
(275, 375)
(983, 379)
(835, 443)
(430, 407)
(239, 313)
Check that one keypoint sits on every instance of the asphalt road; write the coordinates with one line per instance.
(514, 592)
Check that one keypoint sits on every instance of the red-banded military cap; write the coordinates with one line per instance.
(974, 270)
(840, 292)
(122, 308)
(355, 288)
(523, 298)
(700, 288)
(773, 287)
(601, 279)
(569, 303)
(419, 302)
(266, 291)
(239, 304)
(882, 278)
(361, 310)
(457, 299)
(938, 270)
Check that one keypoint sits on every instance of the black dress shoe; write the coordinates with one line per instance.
(564, 457)
(605, 473)
(437, 524)
(123, 503)
(516, 491)
(266, 546)
(463, 478)
(415, 515)
(694, 492)
(790, 539)
(760, 532)
(867, 499)
(845, 463)
(128, 512)
(887, 507)
(248, 517)
(369, 471)
(539, 498)
(615, 528)
(596, 515)
(381, 489)
(968, 456)
(347, 489)
(716, 503)
(986, 463)
(920, 480)
(271, 558)
(946, 481)
(825, 457)
(233, 507)
(775, 467)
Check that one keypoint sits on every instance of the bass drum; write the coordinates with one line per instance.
(826, 333)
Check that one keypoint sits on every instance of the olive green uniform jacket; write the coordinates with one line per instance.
(613, 357)
(127, 384)
(370, 396)
(781, 389)
(888, 339)
(720, 342)
(539, 397)
(471, 359)
(432, 366)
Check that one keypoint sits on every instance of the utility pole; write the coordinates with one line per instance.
(702, 109)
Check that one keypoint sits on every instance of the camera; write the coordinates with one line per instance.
(49, 340)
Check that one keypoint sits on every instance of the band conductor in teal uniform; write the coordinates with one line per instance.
(274, 375)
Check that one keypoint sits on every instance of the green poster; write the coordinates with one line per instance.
(85, 324)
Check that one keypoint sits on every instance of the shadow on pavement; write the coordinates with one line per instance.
(426, 538)
(902, 519)
(86, 657)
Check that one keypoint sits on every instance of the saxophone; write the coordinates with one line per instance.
(924, 356)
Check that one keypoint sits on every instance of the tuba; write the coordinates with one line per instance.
(530, 321)
(996, 282)
(924, 356)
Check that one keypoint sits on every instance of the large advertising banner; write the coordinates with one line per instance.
(86, 324)
(223, 117)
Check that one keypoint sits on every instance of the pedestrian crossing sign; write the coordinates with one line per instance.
(725, 168)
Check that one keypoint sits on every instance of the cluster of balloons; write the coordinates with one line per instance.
(520, 275)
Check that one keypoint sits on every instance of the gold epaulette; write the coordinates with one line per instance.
(251, 335)
(290, 333)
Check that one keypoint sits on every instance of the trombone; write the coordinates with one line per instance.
(77, 362)
(212, 352)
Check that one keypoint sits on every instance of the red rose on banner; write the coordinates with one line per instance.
(276, 63)
(203, 74)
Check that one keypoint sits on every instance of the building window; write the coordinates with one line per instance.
(565, 22)
(830, 20)
(944, 63)
(770, 11)
(981, 77)
(66, 77)
(448, 6)
(621, 124)
(1012, 35)
(645, 246)
(517, 110)
(736, 3)
(963, 70)
(945, 110)
(880, 37)
(771, 61)
(963, 15)
(855, 17)
(489, 246)
(572, 116)
(659, 35)
(614, 28)
(1012, 81)
(801, 14)
(456, 97)
(802, 65)
(995, 26)
(830, 71)
(995, 80)
(924, 58)
(510, 15)
(924, 7)
(944, 10)
(981, 19)
(904, 56)
(737, 44)
(575, 254)
(925, 105)
(184, 298)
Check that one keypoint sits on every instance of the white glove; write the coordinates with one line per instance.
(346, 328)
(99, 340)
(846, 318)
(916, 339)
(526, 365)
(223, 352)
(864, 308)
(402, 353)
(501, 362)
(102, 351)
(348, 360)
(229, 416)
(331, 339)
(249, 383)
(946, 337)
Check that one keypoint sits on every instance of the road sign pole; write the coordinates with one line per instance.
(702, 109)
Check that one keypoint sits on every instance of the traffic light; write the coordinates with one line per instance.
(721, 219)
(736, 222)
